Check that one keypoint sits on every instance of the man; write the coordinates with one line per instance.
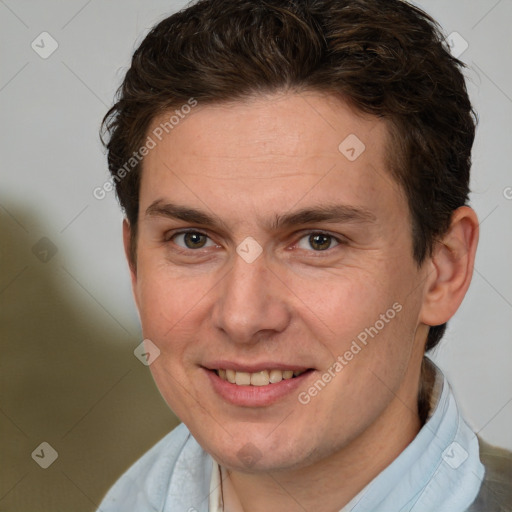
(295, 177)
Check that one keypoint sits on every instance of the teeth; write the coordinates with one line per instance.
(275, 376)
(242, 378)
(262, 378)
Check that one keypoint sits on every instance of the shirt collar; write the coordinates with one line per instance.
(439, 470)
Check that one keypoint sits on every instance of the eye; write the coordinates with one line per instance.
(192, 240)
(317, 242)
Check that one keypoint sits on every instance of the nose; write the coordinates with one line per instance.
(251, 302)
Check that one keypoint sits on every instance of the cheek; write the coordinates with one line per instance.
(168, 312)
(367, 320)
(342, 302)
(166, 298)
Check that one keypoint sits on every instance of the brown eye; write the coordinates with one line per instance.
(317, 242)
(320, 242)
(192, 240)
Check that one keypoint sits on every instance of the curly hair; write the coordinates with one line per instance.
(384, 57)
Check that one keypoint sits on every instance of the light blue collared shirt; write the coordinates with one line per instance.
(440, 471)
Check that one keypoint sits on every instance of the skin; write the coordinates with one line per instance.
(246, 163)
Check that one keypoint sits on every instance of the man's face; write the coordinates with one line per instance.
(336, 265)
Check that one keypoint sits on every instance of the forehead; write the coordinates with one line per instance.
(270, 149)
(281, 124)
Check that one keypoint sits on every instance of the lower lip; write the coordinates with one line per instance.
(256, 396)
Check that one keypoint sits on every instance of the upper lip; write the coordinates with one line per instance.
(253, 367)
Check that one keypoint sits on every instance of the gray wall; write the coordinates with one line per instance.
(68, 324)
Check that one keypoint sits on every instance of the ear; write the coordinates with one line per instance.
(128, 252)
(450, 268)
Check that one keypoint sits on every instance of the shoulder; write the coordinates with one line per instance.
(146, 485)
(496, 491)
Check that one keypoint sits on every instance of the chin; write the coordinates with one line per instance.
(254, 454)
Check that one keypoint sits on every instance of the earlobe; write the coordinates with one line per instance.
(451, 268)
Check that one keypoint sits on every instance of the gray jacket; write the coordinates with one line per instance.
(496, 491)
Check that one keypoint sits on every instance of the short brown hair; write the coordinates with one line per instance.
(385, 57)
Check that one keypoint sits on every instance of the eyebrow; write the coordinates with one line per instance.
(323, 213)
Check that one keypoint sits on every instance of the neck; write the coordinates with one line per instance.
(329, 484)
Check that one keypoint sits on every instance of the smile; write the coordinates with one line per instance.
(261, 378)
(257, 389)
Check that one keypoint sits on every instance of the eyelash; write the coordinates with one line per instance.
(182, 250)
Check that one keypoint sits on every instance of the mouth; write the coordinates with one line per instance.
(258, 388)
(261, 378)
